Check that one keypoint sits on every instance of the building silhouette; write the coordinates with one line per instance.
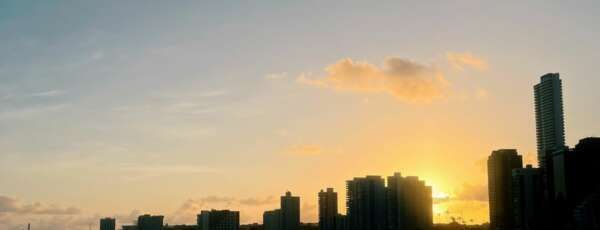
(340, 222)
(409, 203)
(218, 220)
(576, 181)
(582, 170)
(561, 160)
(108, 224)
(527, 199)
(272, 220)
(405, 204)
(253, 226)
(328, 209)
(146, 222)
(290, 212)
(550, 131)
(549, 119)
(587, 213)
(149, 222)
(500, 166)
(285, 218)
(366, 203)
(180, 227)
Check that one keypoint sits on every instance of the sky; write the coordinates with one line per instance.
(119, 108)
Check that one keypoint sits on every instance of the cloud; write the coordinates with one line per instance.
(466, 192)
(257, 201)
(50, 222)
(468, 211)
(8, 204)
(5, 97)
(475, 192)
(11, 205)
(214, 93)
(192, 207)
(97, 55)
(130, 218)
(461, 61)
(440, 200)
(15, 214)
(49, 93)
(303, 150)
(31, 111)
(404, 79)
(61, 222)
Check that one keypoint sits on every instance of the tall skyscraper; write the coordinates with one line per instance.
(409, 203)
(328, 209)
(365, 203)
(500, 166)
(290, 212)
(529, 204)
(219, 220)
(107, 224)
(148, 222)
(549, 119)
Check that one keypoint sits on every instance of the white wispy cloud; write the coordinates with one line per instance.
(49, 93)
(29, 111)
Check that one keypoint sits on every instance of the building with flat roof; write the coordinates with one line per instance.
(218, 220)
(366, 203)
(328, 209)
(108, 223)
(290, 212)
(500, 166)
(272, 220)
(528, 202)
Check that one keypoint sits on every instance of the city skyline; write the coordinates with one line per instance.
(113, 109)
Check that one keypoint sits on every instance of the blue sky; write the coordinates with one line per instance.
(103, 101)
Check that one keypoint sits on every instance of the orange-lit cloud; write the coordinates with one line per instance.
(14, 214)
(476, 192)
(463, 211)
(468, 204)
(257, 201)
(404, 79)
(11, 205)
(460, 61)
